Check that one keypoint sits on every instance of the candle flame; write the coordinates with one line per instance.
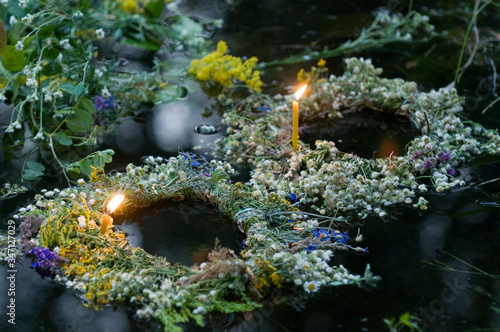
(114, 202)
(300, 92)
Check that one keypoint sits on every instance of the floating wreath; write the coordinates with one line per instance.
(286, 247)
(61, 232)
(333, 182)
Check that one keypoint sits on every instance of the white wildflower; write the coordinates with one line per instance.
(27, 19)
(31, 82)
(82, 221)
(312, 286)
(100, 33)
(19, 45)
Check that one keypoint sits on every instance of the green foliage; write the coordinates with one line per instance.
(65, 86)
(13, 59)
(11, 190)
(96, 160)
(33, 171)
(383, 30)
(405, 322)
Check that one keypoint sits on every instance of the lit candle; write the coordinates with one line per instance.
(106, 218)
(295, 133)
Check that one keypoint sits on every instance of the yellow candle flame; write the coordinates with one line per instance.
(300, 92)
(114, 202)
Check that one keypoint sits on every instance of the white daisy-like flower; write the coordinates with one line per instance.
(100, 33)
(312, 286)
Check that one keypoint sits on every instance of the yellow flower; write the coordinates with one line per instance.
(224, 68)
(130, 6)
(321, 63)
(276, 279)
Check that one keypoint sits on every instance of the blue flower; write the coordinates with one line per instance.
(322, 235)
(46, 262)
(264, 109)
(339, 237)
(292, 198)
(191, 160)
(102, 104)
(451, 171)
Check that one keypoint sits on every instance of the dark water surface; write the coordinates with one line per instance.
(454, 230)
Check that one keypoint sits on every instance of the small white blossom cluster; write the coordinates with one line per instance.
(344, 183)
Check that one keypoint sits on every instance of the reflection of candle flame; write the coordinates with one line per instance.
(300, 92)
(113, 203)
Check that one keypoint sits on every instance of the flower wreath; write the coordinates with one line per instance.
(62, 234)
(286, 248)
(333, 182)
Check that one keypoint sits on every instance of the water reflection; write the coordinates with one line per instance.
(170, 126)
(131, 135)
(368, 134)
(69, 315)
(167, 129)
(182, 233)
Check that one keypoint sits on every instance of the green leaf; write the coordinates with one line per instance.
(147, 45)
(46, 32)
(36, 166)
(13, 60)
(405, 318)
(33, 171)
(82, 121)
(50, 53)
(68, 87)
(3, 40)
(103, 157)
(79, 89)
(14, 9)
(217, 176)
(88, 105)
(85, 167)
(63, 139)
(97, 159)
(155, 8)
(51, 69)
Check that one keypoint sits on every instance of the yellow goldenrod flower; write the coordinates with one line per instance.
(224, 68)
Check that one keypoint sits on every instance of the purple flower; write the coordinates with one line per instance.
(99, 103)
(444, 157)
(46, 262)
(102, 104)
(428, 164)
(451, 171)
(417, 155)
